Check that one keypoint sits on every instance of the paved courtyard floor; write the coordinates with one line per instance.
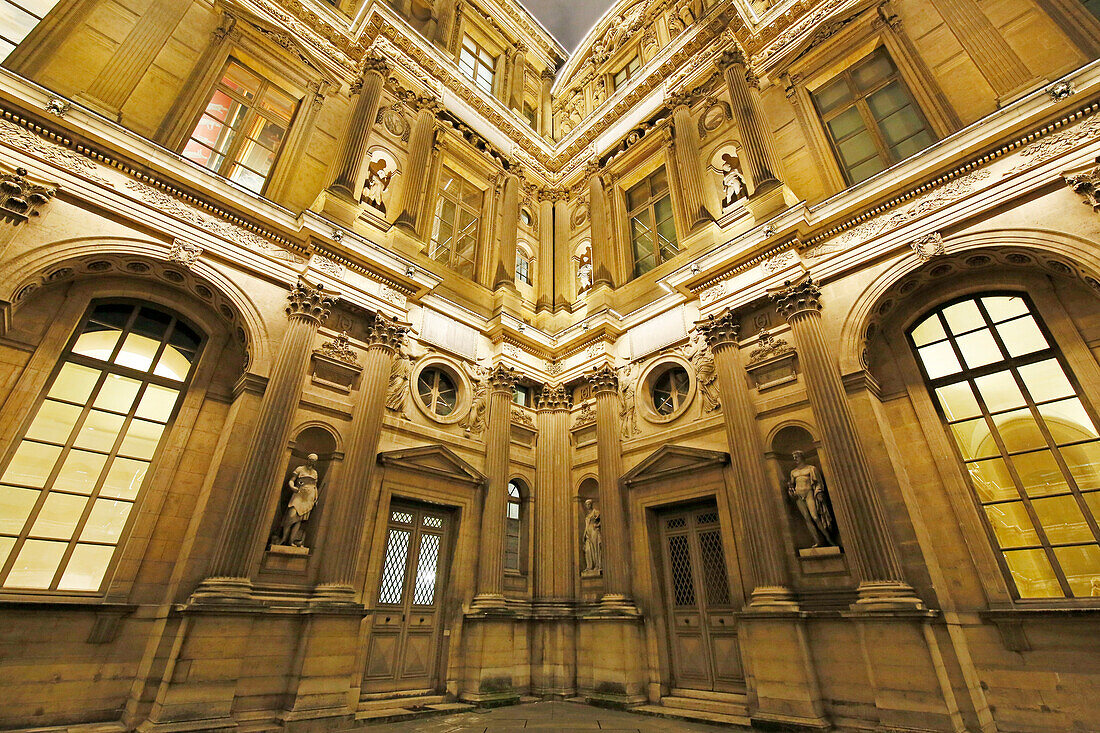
(560, 717)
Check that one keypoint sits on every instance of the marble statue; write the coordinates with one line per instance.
(474, 422)
(706, 375)
(807, 489)
(733, 182)
(303, 497)
(627, 414)
(399, 382)
(592, 540)
(379, 176)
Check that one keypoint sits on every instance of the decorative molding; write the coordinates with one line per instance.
(339, 348)
(586, 416)
(928, 246)
(309, 301)
(1087, 185)
(768, 347)
(519, 415)
(184, 253)
(20, 198)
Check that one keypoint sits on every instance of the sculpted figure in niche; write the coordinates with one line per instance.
(303, 497)
(592, 541)
(733, 182)
(807, 489)
(706, 375)
(380, 171)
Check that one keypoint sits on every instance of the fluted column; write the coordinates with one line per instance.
(505, 270)
(347, 178)
(867, 536)
(760, 165)
(601, 232)
(565, 279)
(498, 440)
(759, 499)
(351, 503)
(515, 81)
(689, 162)
(246, 523)
(553, 510)
(546, 122)
(609, 461)
(418, 168)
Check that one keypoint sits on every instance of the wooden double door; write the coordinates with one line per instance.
(404, 648)
(700, 602)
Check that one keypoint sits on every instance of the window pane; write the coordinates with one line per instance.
(173, 364)
(1062, 520)
(958, 401)
(80, 471)
(939, 360)
(1040, 473)
(929, 330)
(963, 317)
(141, 439)
(54, 421)
(1011, 524)
(137, 352)
(863, 171)
(1004, 307)
(991, 480)
(117, 393)
(106, 521)
(974, 439)
(1084, 464)
(857, 148)
(901, 126)
(15, 507)
(912, 145)
(872, 71)
(978, 348)
(31, 464)
(99, 430)
(86, 567)
(97, 344)
(157, 402)
(1067, 421)
(1000, 391)
(36, 564)
(886, 102)
(58, 516)
(124, 479)
(832, 95)
(1032, 574)
(1082, 568)
(1046, 380)
(848, 123)
(1019, 431)
(74, 383)
(1022, 336)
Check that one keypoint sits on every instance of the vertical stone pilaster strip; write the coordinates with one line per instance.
(519, 70)
(985, 45)
(689, 162)
(421, 144)
(350, 506)
(760, 166)
(546, 121)
(609, 460)
(601, 233)
(347, 176)
(760, 505)
(867, 535)
(565, 279)
(505, 271)
(246, 526)
(498, 440)
(553, 508)
(545, 285)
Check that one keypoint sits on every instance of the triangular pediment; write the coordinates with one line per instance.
(434, 460)
(673, 460)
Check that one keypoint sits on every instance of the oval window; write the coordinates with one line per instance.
(437, 391)
(670, 390)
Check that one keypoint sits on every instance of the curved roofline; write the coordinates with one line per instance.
(573, 59)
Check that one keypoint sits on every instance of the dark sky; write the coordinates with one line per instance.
(568, 20)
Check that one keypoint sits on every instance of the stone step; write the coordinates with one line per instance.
(695, 716)
(386, 715)
(452, 707)
(735, 698)
(723, 707)
(399, 701)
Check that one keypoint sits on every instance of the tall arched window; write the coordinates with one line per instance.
(68, 490)
(513, 529)
(1027, 440)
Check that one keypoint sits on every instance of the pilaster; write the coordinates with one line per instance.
(689, 162)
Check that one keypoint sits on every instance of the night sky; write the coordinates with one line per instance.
(568, 21)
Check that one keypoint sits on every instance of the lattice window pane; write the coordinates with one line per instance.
(433, 522)
(714, 567)
(679, 558)
(426, 569)
(401, 517)
(393, 567)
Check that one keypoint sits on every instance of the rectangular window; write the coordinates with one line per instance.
(457, 222)
(529, 114)
(477, 64)
(623, 75)
(523, 268)
(521, 395)
(652, 229)
(871, 118)
(17, 18)
(242, 128)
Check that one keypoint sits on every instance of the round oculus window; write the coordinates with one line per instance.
(437, 391)
(670, 390)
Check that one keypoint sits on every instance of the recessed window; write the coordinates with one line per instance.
(523, 268)
(457, 222)
(1027, 440)
(521, 395)
(68, 492)
(525, 217)
(242, 128)
(437, 391)
(477, 64)
(529, 115)
(871, 118)
(670, 390)
(513, 529)
(652, 229)
(627, 72)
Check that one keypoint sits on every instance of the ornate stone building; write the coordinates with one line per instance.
(362, 355)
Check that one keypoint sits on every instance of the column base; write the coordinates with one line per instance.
(770, 198)
(773, 598)
(617, 604)
(337, 206)
(488, 602)
(99, 107)
(886, 595)
(333, 593)
(223, 590)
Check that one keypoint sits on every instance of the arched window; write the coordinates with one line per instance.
(513, 529)
(68, 491)
(1029, 443)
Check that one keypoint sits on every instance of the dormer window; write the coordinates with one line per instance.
(477, 64)
(626, 73)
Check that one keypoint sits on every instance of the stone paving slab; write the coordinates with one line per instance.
(559, 717)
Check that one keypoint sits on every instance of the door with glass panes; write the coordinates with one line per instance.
(700, 601)
(403, 651)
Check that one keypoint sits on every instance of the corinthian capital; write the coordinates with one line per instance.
(798, 297)
(503, 378)
(375, 63)
(309, 301)
(683, 98)
(732, 57)
(553, 397)
(603, 379)
(720, 331)
(386, 333)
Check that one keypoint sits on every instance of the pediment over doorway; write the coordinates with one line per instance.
(433, 460)
(673, 460)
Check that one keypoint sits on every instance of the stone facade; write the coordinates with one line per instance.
(363, 350)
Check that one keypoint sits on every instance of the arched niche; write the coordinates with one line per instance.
(588, 490)
(309, 439)
(784, 443)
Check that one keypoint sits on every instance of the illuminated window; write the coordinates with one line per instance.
(242, 128)
(525, 217)
(437, 391)
(477, 64)
(68, 491)
(19, 18)
(670, 390)
(871, 118)
(623, 75)
(457, 220)
(513, 529)
(523, 268)
(1027, 440)
(652, 229)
